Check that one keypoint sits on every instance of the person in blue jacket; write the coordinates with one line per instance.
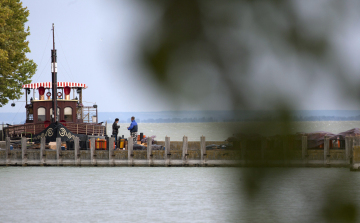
(133, 129)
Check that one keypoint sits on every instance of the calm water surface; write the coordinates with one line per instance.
(142, 194)
(219, 131)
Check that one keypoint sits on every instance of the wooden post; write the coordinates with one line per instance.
(354, 153)
(304, 149)
(58, 151)
(42, 150)
(185, 155)
(354, 144)
(347, 144)
(92, 151)
(354, 139)
(7, 148)
(203, 151)
(348, 148)
(167, 154)
(149, 151)
(351, 155)
(111, 151)
(77, 151)
(326, 150)
(24, 151)
(77, 128)
(130, 151)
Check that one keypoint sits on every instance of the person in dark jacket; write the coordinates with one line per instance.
(115, 130)
(133, 129)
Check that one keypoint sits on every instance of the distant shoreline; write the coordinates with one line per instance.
(209, 116)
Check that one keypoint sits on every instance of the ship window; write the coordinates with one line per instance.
(30, 114)
(68, 114)
(41, 114)
(58, 113)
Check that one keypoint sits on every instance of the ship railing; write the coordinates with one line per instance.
(86, 128)
(28, 129)
(31, 129)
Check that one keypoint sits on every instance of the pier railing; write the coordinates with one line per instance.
(278, 151)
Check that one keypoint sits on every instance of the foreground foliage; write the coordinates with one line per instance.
(15, 68)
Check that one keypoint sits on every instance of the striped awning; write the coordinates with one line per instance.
(49, 84)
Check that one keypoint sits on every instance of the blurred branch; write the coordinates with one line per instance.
(255, 49)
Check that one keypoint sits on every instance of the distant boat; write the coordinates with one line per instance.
(71, 118)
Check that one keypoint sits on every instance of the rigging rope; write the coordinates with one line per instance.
(71, 75)
(60, 65)
(42, 71)
(17, 112)
(44, 52)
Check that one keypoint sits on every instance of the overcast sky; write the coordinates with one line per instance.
(97, 41)
(95, 45)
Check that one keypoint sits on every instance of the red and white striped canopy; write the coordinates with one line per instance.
(49, 85)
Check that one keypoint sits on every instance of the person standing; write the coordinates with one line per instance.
(133, 129)
(115, 130)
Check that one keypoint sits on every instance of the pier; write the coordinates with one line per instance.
(174, 154)
(280, 152)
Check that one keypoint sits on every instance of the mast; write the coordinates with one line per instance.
(54, 78)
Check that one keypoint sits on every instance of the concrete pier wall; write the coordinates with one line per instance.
(184, 153)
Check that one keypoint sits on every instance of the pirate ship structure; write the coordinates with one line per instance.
(71, 118)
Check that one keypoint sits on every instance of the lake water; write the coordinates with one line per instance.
(219, 131)
(145, 194)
